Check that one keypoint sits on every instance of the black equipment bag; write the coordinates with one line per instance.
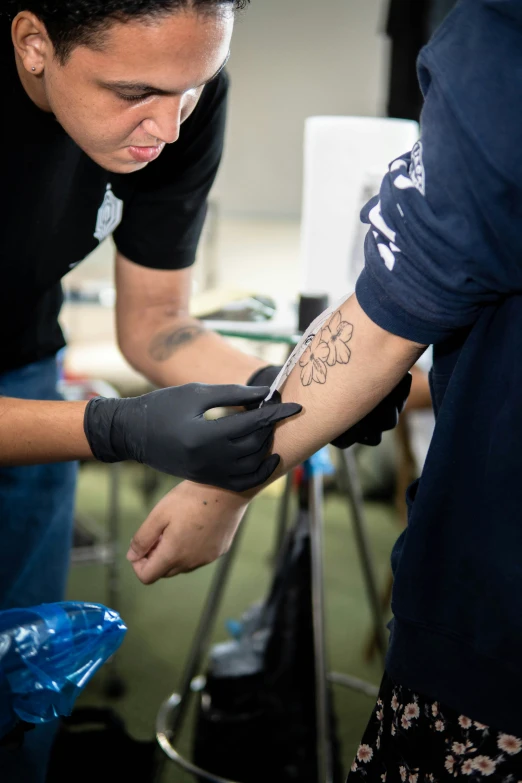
(256, 720)
(93, 745)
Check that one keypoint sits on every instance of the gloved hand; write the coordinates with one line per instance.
(166, 429)
(384, 417)
(369, 430)
(263, 377)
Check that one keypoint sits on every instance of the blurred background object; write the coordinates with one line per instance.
(410, 25)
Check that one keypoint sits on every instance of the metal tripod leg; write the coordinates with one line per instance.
(170, 720)
(114, 530)
(350, 484)
(283, 517)
(114, 685)
(315, 503)
(203, 635)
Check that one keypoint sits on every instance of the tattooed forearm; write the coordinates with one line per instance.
(327, 348)
(164, 344)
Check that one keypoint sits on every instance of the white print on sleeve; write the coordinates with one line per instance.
(386, 250)
(415, 176)
(417, 172)
(401, 181)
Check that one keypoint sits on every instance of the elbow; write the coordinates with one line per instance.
(133, 348)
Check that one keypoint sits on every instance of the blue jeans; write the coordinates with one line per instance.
(36, 522)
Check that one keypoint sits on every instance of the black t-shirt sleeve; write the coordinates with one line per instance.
(165, 212)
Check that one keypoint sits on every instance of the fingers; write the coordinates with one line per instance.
(241, 424)
(255, 444)
(157, 565)
(147, 538)
(247, 462)
(178, 551)
(260, 476)
(281, 411)
(232, 396)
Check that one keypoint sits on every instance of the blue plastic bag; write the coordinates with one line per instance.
(48, 654)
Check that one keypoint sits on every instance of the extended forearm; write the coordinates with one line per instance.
(171, 352)
(33, 432)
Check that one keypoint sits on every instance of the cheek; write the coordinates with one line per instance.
(91, 120)
(190, 101)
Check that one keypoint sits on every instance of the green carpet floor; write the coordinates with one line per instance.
(161, 619)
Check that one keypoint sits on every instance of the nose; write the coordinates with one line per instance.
(166, 120)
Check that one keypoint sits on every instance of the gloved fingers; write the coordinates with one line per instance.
(384, 417)
(253, 443)
(229, 396)
(249, 463)
(371, 439)
(265, 376)
(402, 392)
(344, 441)
(241, 424)
(251, 480)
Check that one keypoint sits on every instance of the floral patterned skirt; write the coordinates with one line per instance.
(412, 739)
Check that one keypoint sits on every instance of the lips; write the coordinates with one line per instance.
(145, 154)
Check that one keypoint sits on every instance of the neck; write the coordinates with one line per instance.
(33, 85)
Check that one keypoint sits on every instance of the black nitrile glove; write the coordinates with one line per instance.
(384, 417)
(167, 430)
(369, 430)
(264, 377)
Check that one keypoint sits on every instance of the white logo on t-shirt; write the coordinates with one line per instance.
(109, 215)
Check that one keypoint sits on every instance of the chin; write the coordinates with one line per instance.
(117, 166)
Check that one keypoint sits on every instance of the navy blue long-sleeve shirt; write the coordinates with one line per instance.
(444, 267)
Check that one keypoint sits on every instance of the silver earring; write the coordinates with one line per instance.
(33, 68)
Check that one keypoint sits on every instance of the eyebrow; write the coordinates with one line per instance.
(142, 87)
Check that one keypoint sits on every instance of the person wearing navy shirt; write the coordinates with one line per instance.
(444, 267)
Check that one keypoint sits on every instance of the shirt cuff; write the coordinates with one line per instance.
(175, 259)
(391, 316)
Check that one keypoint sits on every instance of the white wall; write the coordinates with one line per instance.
(292, 59)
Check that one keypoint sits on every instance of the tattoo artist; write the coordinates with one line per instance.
(120, 115)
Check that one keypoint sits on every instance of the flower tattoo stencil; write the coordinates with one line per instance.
(327, 348)
(337, 335)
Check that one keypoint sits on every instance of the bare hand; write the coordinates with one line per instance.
(191, 526)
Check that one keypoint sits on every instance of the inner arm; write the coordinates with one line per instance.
(345, 373)
(159, 338)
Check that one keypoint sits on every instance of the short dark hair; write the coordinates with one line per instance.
(71, 23)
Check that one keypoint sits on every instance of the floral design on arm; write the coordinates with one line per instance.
(326, 349)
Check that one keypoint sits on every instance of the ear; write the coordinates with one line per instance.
(31, 42)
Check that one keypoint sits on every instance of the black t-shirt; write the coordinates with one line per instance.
(57, 205)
